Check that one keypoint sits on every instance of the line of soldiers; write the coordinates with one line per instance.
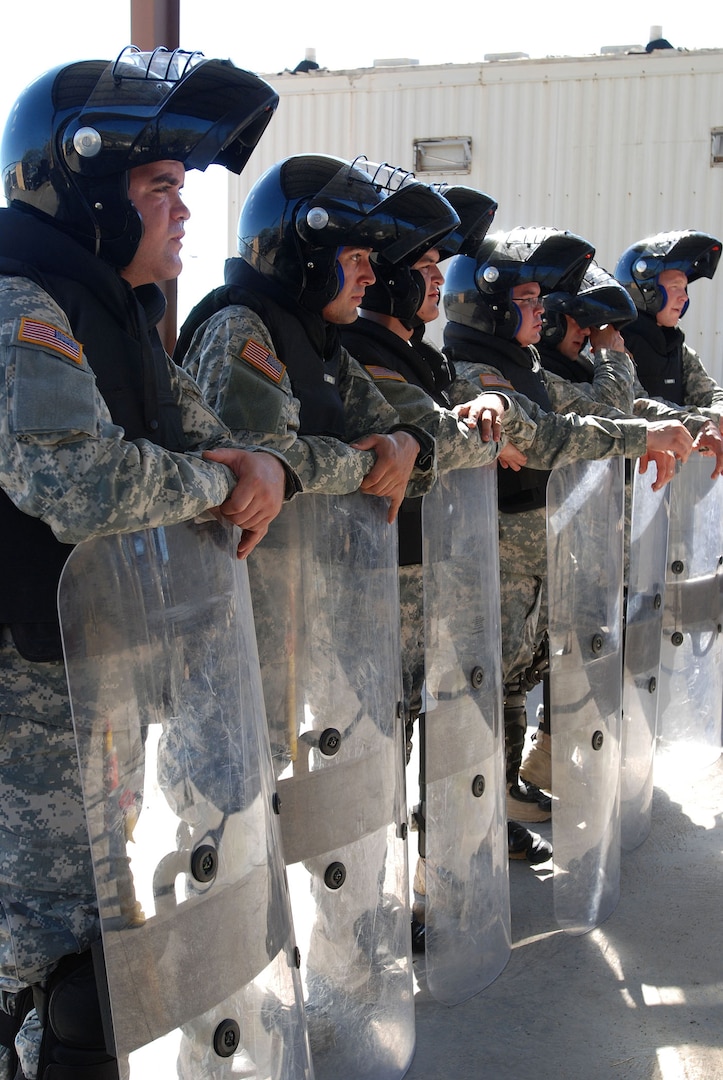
(305, 407)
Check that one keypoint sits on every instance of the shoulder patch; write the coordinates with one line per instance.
(259, 357)
(41, 333)
(378, 372)
(487, 379)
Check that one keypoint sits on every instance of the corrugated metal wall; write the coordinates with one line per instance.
(611, 147)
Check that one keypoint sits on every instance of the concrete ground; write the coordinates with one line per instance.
(638, 998)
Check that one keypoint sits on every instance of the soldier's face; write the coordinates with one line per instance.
(675, 284)
(574, 339)
(358, 273)
(155, 191)
(428, 267)
(529, 302)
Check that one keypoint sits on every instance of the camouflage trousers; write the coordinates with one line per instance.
(523, 588)
(47, 895)
(411, 598)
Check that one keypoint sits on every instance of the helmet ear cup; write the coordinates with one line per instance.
(663, 294)
(554, 328)
(516, 312)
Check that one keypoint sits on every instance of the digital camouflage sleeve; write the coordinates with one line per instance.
(564, 437)
(458, 446)
(64, 460)
(258, 404)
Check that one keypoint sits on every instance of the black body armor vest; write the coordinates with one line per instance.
(526, 489)
(658, 355)
(116, 326)
(308, 346)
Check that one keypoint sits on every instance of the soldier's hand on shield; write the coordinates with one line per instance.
(389, 476)
(670, 435)
(486, 411)
(258, 496)
(665, 462)
(708, 441)
(510, 457)
(668, 442)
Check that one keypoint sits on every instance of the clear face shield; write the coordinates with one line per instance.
(175, 105)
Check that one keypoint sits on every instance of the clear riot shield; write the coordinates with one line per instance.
(585, 552)
(202, 968)
(691, 666)
(467, 904)
(326, 604)
(641, 654)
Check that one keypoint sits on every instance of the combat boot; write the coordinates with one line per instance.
(536, 767)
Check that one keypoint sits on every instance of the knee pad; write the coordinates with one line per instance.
(540, 666)
(73, 1046)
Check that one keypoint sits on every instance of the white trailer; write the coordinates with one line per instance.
(614, 146)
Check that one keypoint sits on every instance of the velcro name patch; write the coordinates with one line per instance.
(259, 357)
(41, 333)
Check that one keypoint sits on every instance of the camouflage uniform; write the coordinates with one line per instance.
(232, 357)
(458, 447)
(64, 461)
(562, 437)
(670, 370)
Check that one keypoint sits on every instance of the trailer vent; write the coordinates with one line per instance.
(450, 155)
(716, 146)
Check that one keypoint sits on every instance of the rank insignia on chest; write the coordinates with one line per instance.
(330, 379)
(261, 358)
(51, 337)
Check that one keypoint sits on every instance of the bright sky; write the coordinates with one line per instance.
(270, 37)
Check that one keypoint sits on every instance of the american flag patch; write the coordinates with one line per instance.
(260, 357)
(495, 380)
(41, 333)
(378, 372)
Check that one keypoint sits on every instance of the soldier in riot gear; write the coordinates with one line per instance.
(575, 328)
(494, 307)
(266, 350)
(463, 951)
(264, 347)
(97, 428)
(656, 271)
(388, 339)
(576, 325)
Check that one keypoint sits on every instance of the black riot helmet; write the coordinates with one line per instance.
(398, 289)
(74, 134)
(476, 212)
(304, 209)
(696, 254)
(478, 291)
(601, 301)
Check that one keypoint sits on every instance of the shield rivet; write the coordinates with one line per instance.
(335, 875)
(477, 677)
(204, 863)
(330, 741)
(226, 1038)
